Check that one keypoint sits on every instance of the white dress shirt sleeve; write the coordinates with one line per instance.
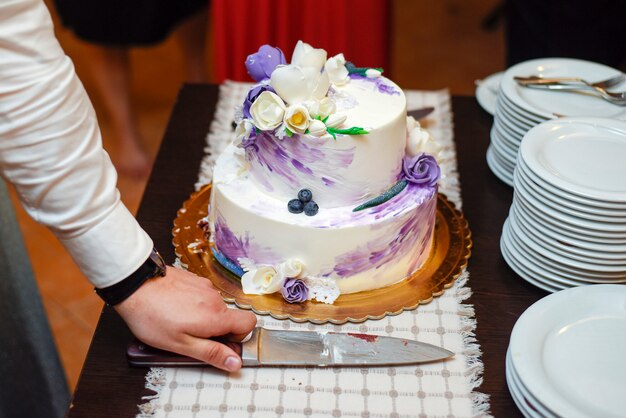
(51, 149)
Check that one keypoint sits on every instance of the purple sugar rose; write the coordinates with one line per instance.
(251, 97)
(261, 64)
(421, 169)
(294, 291)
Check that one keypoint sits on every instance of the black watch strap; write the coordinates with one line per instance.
(154, 266)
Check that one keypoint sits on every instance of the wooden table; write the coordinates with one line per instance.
(109, 387)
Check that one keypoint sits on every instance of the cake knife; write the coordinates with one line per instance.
(268, 347)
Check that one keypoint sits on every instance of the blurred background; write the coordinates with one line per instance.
(422, 44)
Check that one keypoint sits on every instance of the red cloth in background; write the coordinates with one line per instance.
(358, 28)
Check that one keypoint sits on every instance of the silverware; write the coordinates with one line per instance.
(618, 98)
(604, 84)
(307, 348)
(421, 113)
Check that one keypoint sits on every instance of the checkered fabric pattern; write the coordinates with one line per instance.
(443, 389)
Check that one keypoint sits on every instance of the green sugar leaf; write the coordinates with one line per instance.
(352, 69)
(388, 194)
(288, 133)
(355, 130)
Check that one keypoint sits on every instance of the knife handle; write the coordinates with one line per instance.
(143, 355)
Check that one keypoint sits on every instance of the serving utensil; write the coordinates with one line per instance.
(306, 348)
(575, 85)
(604, 84)
(618, 98)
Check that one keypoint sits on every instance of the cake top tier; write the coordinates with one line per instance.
(314, 96)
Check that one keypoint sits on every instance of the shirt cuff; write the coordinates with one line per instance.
(112, 250)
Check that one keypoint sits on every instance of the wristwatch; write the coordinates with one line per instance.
(153, 267)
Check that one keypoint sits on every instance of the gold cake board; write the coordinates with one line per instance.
(450, 252)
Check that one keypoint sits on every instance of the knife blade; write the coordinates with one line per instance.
(306, 348)
(421, 113)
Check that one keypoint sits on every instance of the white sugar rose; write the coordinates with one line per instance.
(267, 111)
(419, 140)
(317, 128)
(243, 131)
(297, 118)
(336, 69)
(304, 55)
(262, 280)
(291, 269)
(411, 123)
(336, 120)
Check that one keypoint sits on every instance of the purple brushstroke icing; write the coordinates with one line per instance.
(235, 247)
(379, 84)
(412, 233)
(297, 162)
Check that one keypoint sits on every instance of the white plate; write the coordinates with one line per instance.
(540, 269)
(503, 149)
(496, 168)
(530, 401)
(574, 273)
(521, 402)
(508, 116)
(590, 205)
(504, 142)
(575, 243)
(583, 156)
(569, 230)
(598, 227)
(517, 265)
(568, 351)
(546, 241)
(522, 114)
(567, 206)
(514, 131)
(487, 91)
(511, 115)
(529, 118)
(547, 103)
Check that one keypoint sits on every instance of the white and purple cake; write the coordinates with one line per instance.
(322, 192)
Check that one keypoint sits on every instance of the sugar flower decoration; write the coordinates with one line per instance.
(297, 118)
(261, 64)
(267, 111)
(252, 95)
(244, 131)
(419, 140)
(421, 169)
(337, 71)
(303, 79)
(261, 280)
(295, 291)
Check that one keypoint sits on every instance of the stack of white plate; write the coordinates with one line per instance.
(567, 224)
(566, 355)
(518, 108)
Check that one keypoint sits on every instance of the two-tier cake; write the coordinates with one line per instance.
(322, 192)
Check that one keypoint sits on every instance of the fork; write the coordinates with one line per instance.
(618, 98)
(604, 84)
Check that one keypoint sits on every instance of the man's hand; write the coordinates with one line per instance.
(180, 311)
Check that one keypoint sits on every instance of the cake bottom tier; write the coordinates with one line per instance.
(357, 251)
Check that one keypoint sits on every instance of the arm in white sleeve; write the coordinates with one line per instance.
(51, 149)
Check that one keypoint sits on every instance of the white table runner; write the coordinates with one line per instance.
(444, 389)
